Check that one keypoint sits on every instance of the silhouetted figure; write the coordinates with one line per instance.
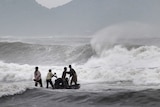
(73, 75)
(64, 79)
(64, 73)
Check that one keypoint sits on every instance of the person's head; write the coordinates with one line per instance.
(36, 68)
(70, 66)
(50, 70)
(65, 68)
(66, 79)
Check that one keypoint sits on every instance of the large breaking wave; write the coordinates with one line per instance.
(23, 53)
(106, 61)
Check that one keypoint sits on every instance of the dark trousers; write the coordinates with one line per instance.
(65, 83)
(73, 79)
(49, 81)
(40, 83)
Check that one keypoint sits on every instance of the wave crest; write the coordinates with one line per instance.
(23, 53)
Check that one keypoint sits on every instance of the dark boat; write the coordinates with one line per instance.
(60, 84)
(77, 86)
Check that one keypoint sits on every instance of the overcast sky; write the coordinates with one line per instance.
(75, 17)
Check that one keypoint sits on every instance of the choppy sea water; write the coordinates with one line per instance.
(113, 75)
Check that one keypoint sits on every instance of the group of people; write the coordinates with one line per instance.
(63, 81)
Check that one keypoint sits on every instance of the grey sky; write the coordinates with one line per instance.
(79, 17)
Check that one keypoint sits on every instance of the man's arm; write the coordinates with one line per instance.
(54, 75)
(68, 72)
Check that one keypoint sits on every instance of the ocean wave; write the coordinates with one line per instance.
(23, 53)
(140, 65)
(125, 98)
(116, 65)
